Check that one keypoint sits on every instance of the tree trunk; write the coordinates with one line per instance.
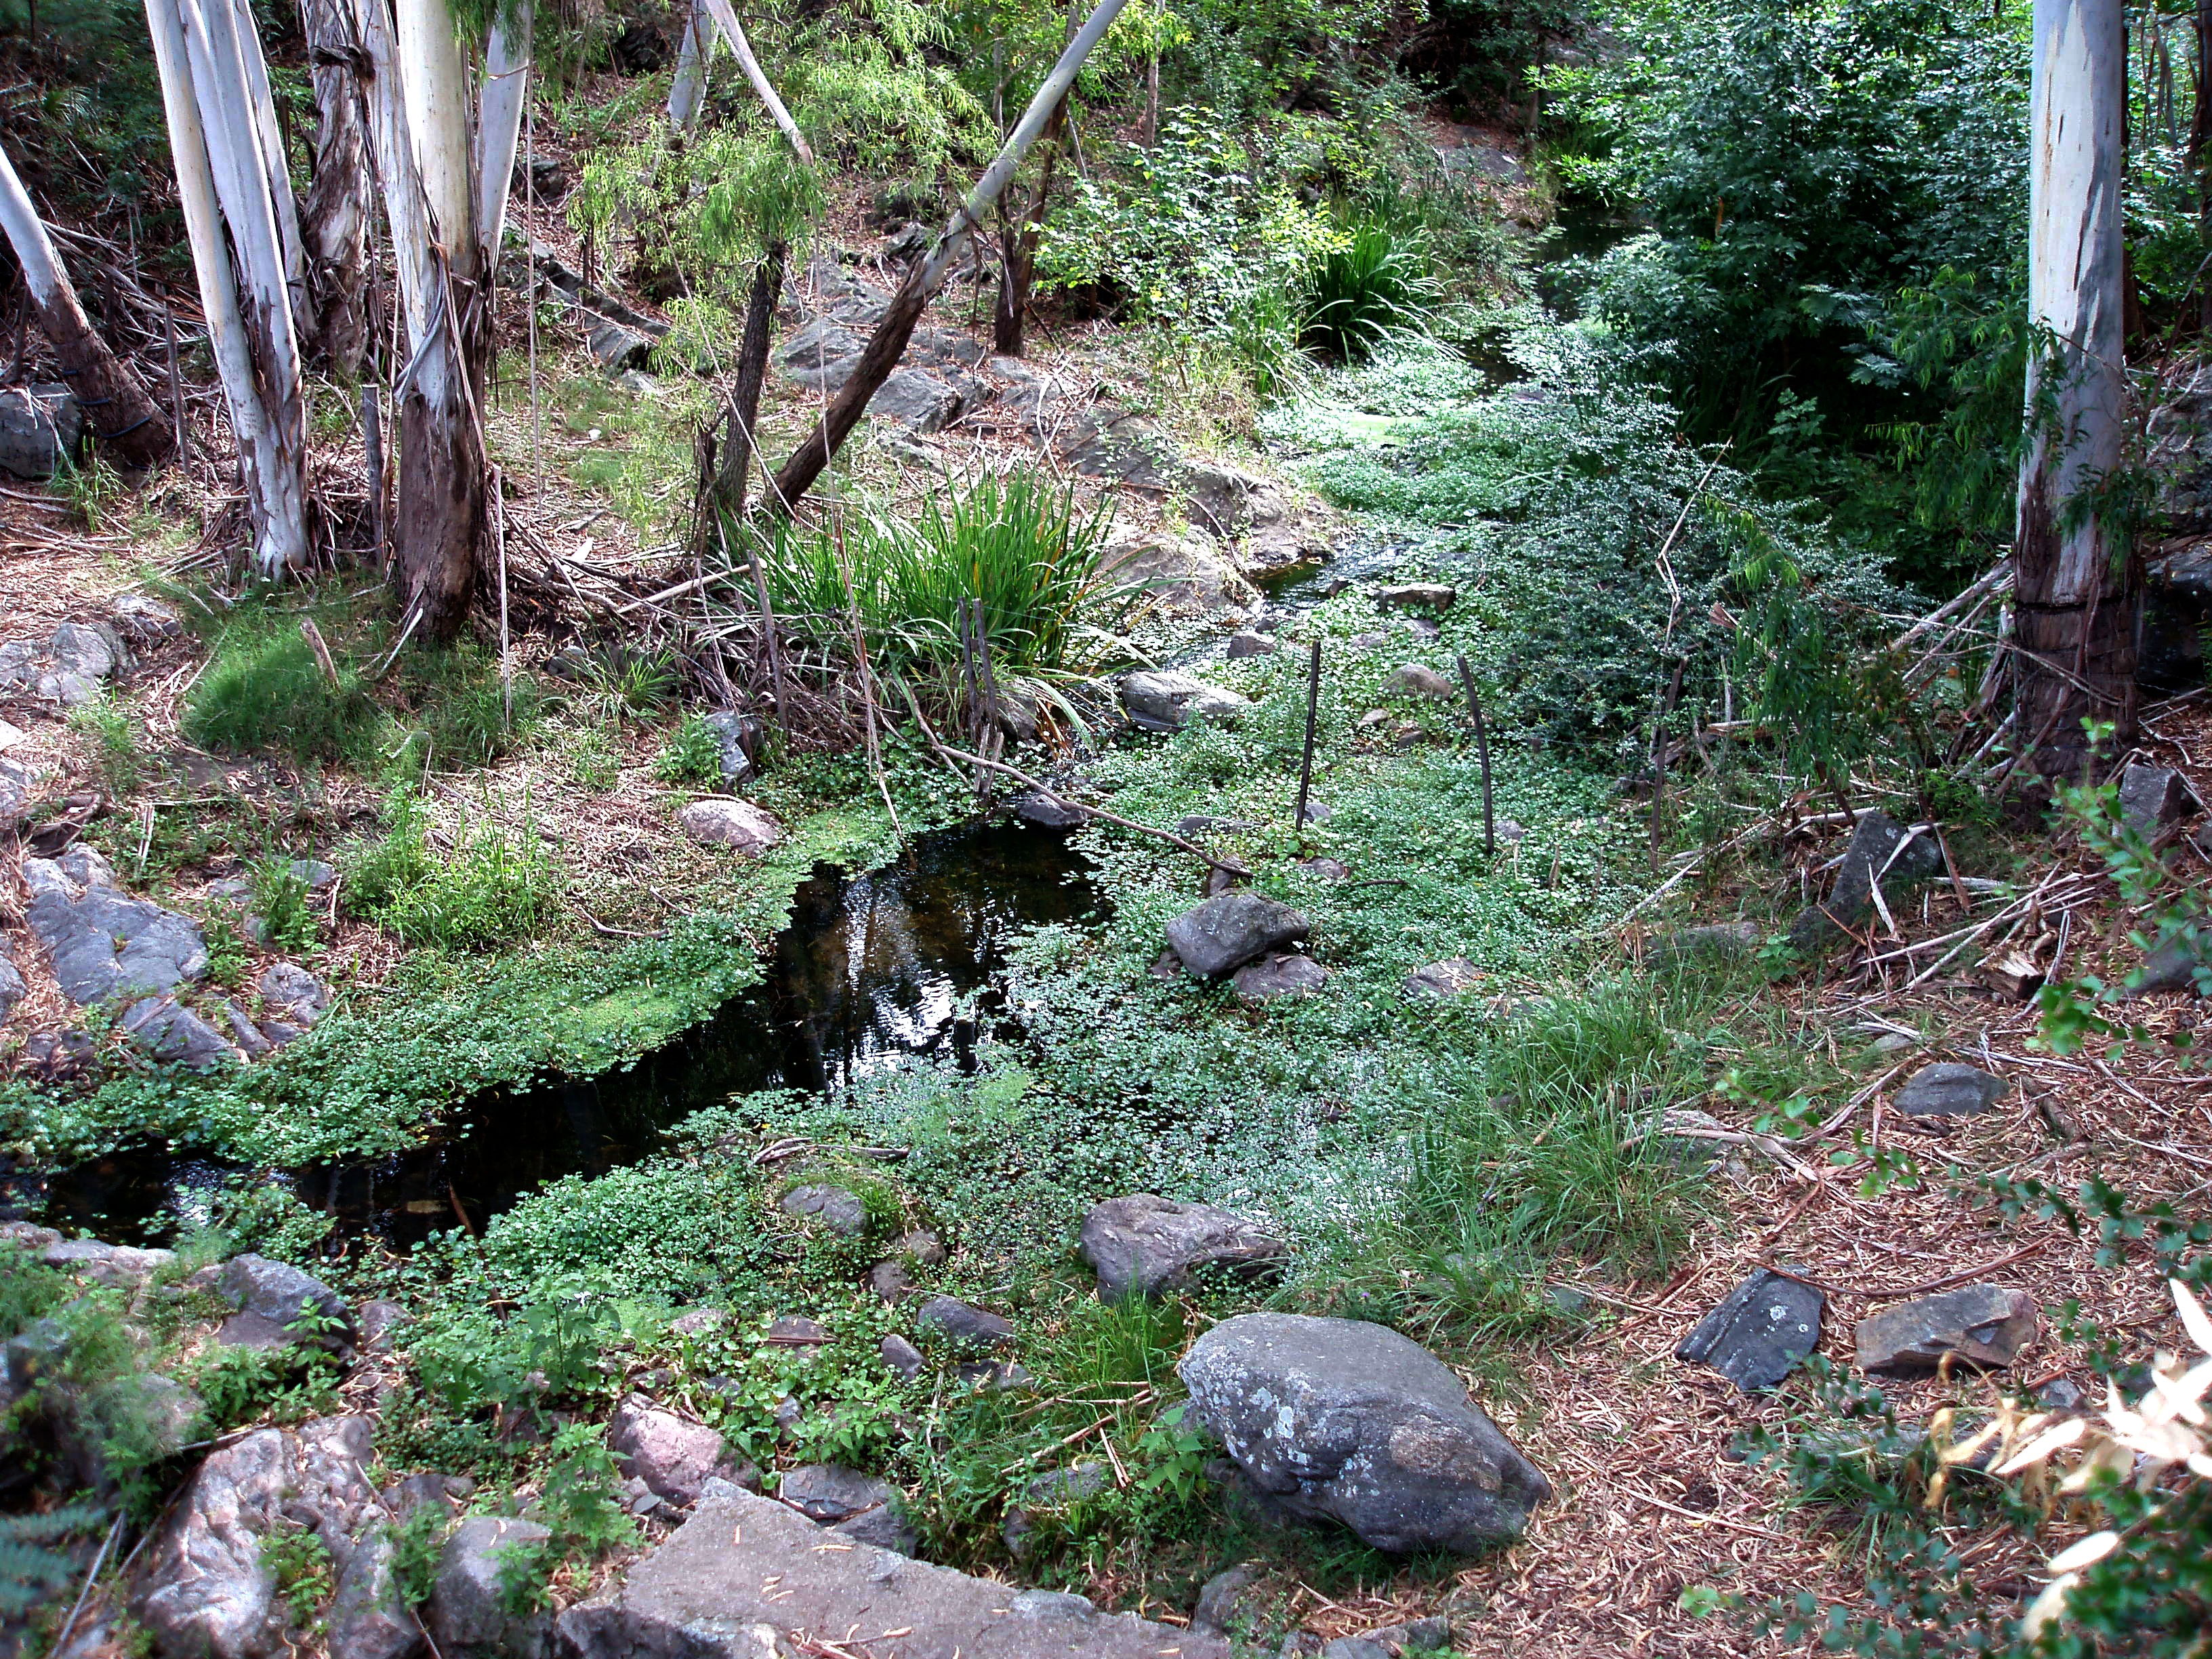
(499, 125)
(2200, 134)
(726, 18)
(1017, 245)
(889, 342)
(686, 90)
(335, 228)
(214, 87)
(109, 392)
(738, 442)
(2079, 586)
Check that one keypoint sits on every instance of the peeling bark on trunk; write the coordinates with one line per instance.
(113, 401)
(334, 228)
(2079, 583)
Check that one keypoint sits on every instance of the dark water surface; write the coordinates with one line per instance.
(904, 962)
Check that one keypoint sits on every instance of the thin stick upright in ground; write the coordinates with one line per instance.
(1482, 757)
(1313, 708)
(371, 457)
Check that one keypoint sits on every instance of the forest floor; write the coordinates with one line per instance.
(1650, 1499)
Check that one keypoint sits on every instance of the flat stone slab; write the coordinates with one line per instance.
(1283, 975)
(103, 942)
(745, 1571)
(1230, 929)
(1452, 976)
(1948, 1089)
(1759, 1333)
(1983, 1326)
(1166, 701)
(737, 824)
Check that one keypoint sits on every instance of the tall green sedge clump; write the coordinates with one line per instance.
(483, 886)
(1018, 543)
(1362, 293)
(265, 693)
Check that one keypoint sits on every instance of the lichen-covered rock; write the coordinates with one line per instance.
(1145, 1245)
(102, 942)
(1761, 1332)
(1349, 1421)
(1169, 699)
(737, 824)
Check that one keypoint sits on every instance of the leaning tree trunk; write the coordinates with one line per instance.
(110, 394)
(2078, 583)
(889, 342)
(335, 226)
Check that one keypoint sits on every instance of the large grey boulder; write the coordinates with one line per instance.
(468, 1612)
(1182, 575)
(1170, 699)
(2154, 798)
(917, 400)
(102, 942)
(1761, 1332)
(745, 1575)
(1230, 929)
(204, 1591)
(269, 1295)
(1878, 849)
(1948, 1089)
(1342, 1420)
(1145, 1245)
(1981, 1326)
(672, 1456)
(738, 825)
(820, 354)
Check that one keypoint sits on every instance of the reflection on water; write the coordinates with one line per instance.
(873, 969)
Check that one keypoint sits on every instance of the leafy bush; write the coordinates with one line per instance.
(280, 899)
(265, 693)
(693, 754)
(1371, 289)
(490, 886)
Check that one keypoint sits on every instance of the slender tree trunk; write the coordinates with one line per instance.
(499, 123)
(687, 91)
(2200, 133)
(752, 373)
(726, 18)
(1018, 246)
(335, 226)
(2078, 581)
(889, 342)
(117, 406)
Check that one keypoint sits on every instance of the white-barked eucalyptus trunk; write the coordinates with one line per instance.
(214, 87)
(2077, 586)
(446, 162)
(687, 88)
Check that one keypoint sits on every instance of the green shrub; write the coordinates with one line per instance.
(115, 744)
(34, 1573)
(265, 693)
(300, 1563)
(280, 899)
(462, 709)
(490, 887)
(1370, 291)
(693, 754)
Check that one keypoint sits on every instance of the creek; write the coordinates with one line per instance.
(874, 970)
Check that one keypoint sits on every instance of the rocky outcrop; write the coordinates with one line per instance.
(270, 1296)
(203, 1590)
(1144, 1245)
(1183, 575)
(102, 942)
(746, 1573)
(1341, 1419)
(837, 1209)
(471, 1616)
(1229, 930)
